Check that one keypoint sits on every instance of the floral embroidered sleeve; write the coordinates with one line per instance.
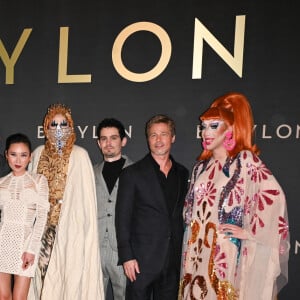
(189, 199)
(265, 206)
(265, 211)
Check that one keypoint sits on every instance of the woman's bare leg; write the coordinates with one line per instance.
(21, 287)
(5, 286)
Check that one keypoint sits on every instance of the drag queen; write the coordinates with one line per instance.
(237, 237)
(69, 266)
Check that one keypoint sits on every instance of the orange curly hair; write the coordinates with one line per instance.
(235, 110)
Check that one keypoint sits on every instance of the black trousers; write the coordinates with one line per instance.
(157, 286)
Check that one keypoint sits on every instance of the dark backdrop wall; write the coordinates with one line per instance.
(97, 57)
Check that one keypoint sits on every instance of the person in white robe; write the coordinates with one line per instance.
(69, 265)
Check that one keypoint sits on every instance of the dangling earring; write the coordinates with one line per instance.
(229, 143)
(204, 145)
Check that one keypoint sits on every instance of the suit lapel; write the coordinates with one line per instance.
(179, 187)
(102, 181)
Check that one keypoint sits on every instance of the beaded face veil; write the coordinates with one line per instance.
(59, 127)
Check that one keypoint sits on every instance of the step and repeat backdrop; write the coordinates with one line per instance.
(133, 59)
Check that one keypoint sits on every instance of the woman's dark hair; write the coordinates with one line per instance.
(18, 138)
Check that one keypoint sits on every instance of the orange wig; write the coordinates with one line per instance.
(234, 109)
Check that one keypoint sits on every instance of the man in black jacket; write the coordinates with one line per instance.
(149, 221)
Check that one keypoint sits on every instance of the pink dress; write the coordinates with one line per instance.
(243, 192)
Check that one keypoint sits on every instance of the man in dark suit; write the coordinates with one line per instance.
(149, 223)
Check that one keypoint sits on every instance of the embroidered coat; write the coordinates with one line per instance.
(243, 192)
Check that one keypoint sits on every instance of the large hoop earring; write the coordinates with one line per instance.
(229, 142)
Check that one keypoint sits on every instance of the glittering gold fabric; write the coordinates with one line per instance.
(223, 288)
(54, 166)
(195, 227)
(226, 291)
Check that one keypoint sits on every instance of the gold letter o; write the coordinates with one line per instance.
(164, 58)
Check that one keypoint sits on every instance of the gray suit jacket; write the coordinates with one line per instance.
(106, 204)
